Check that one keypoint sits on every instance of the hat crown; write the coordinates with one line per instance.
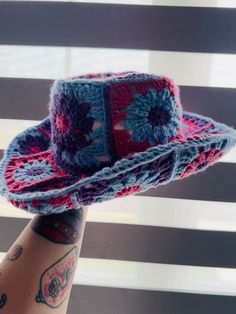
(100, 118)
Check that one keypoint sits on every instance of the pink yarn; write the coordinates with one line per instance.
(35, 149)
(128, 191)
(19, 162)
(36, 203)
(62, 200)
(62, 123)
(210, 157)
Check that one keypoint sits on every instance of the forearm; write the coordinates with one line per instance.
(37, 272)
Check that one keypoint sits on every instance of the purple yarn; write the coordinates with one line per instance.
(32, 144)
(108, 135)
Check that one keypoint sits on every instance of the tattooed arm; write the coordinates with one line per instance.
(36, 274)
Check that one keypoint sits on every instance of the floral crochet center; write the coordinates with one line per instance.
(108, 135)
(153, 117)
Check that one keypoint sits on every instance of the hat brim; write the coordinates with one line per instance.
(48, 189)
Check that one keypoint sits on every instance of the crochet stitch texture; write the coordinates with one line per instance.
(108, 135)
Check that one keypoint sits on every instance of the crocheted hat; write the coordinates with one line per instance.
(108, 135)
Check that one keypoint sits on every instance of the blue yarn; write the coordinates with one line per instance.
(37, 171)
(138, 117)
(154, 118)
(111, 172)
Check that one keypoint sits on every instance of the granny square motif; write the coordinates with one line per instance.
(108, 135)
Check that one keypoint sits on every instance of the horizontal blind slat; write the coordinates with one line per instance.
(186, 68)
(153, 211)
(153, 277)
(118, 26)
(147, 244)
(29, 99)
(181, 3)
(93, 300)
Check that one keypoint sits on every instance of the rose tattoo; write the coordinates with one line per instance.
(56, 281)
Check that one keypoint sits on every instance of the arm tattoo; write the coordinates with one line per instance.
(3, 299)
(14, 253)
(56, 281)
(64, 228)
